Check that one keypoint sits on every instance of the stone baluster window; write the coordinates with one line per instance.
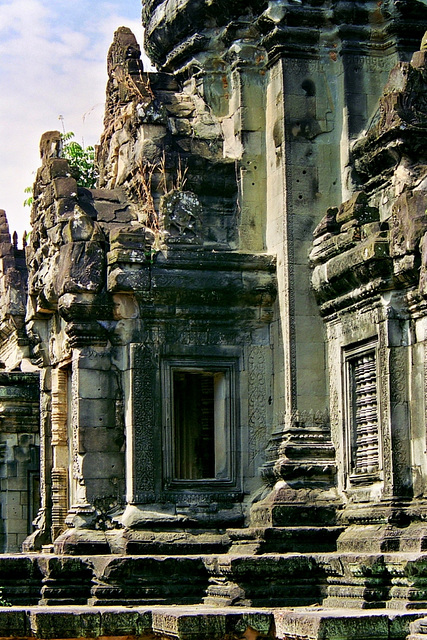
(362, 415)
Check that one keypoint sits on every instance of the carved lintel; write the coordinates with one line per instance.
(86, 333)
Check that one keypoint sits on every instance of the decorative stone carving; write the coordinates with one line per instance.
(144, 423)
(182, 218)
(59, 500)
(59, 407)
(364, 407)
(257, 402)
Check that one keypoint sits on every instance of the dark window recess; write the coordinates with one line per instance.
(194, 421)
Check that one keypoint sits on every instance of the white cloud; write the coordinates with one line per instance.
(52, 62)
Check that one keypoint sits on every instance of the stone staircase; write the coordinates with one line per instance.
(267, 585)
(388, 581)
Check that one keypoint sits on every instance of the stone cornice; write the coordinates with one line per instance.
(176, 31)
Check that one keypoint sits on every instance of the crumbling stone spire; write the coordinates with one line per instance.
(124, 54)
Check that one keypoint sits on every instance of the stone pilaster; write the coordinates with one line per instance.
(95, 448)
(59, 441)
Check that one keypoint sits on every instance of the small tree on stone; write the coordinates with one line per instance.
(81, 160)
(82, 164)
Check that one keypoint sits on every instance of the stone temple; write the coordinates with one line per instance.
(213, 384)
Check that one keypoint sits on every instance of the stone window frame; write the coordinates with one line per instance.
(351, 354)
(227, 366)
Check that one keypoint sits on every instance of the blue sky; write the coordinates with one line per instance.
(52, 62)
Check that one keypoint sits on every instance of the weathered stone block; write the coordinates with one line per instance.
(20, 579)
(108, 195)
(409, 222)
(106, 211)
(367, 260)
(358, 208)
(150, 579)
(59, 168)
(81, 268)
(180, 126)
(96, 384)
(323, 624)
(122, 622)
(65, 207)
(66, 580)
(17, 524)
(81, 334)
(85, 307)
(65, 187)
(100, 439)
(189, 626)
(97, 464)
(13, 623)
(130, 237)
(131, 255)
(94, 362)
(69, 624)
(128, 279)
(79, 542)
(96, 412)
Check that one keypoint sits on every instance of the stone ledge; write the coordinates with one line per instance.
(202, 623)
(121, 622)
(342, 624)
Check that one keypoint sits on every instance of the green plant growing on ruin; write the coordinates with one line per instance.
(3, 602)
(28, 201)
(81, 161)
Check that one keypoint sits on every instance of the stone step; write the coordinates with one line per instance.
(418, 630)
(79, 542)
(392, 581)
(204, 623)
(260, 540)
